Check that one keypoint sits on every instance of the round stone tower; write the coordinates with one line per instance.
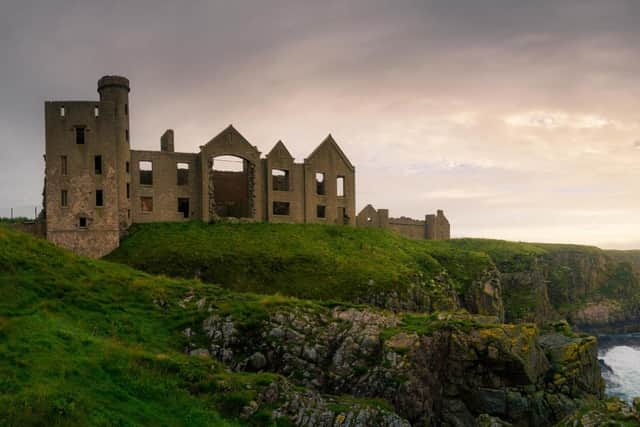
(114, 97)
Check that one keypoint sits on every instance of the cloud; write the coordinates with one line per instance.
(485, 109)
(553, 120)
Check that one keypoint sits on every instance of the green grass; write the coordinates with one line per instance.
(321, 262)
(82, 342)
(355, 265)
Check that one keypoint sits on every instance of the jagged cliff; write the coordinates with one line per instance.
(594, 290)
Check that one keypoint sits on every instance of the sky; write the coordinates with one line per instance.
(519, 118)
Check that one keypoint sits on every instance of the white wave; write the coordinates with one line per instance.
(624, 380)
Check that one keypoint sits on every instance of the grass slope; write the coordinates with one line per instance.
(307, 261)
(83, 343)
(348, 264)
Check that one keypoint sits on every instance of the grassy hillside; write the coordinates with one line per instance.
(307, 261)
(86, 342)
(540, 281)
(91, 342)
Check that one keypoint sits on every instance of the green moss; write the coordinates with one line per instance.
(428, 324)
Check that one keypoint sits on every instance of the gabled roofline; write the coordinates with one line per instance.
(232, 129)
(280, 145)
(329, 140)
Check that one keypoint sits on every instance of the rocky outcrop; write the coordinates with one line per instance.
(484, 296)
(594, 291)
(611, 412)
(445, 369)
(308, 408)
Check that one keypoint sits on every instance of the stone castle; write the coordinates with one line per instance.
(96, 186)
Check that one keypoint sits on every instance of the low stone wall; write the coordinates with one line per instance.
(408, 227)
(37, 229)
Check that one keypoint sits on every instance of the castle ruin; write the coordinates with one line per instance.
(96, 186)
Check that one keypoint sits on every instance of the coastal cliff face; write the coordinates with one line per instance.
(441, 369)
(593, 290)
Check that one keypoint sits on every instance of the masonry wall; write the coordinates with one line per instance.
(369, 217)
(328, 161)
(165, 190)
(438, 227)
(434, 227)
(230, 143)
(102, 231)
(408, 227)
(294, 195)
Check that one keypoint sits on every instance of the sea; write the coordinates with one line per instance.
(619, 357)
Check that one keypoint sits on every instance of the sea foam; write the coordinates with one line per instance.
(623, 377)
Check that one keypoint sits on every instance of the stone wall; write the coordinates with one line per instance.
(165, 190)
(437, 227)
(408, 227)
(35, 228)
(329, 159)
(280, 159)
(434, 227)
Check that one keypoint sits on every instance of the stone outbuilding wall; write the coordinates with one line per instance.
(433, 227)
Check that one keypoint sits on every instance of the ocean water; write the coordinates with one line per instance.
(619, 357)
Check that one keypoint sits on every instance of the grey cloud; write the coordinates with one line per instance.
(384, 77)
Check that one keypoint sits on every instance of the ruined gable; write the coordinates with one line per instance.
(329, 150)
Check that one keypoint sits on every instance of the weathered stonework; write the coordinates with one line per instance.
(96, 186)
(434, 227)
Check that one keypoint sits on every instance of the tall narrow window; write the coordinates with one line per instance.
(63, 111)
(183, 173)
(99, 199)
(97, 164)
(96, 111)
(320, 184)
(126, 166)
(80, 135)
(280, 179)
(126, 135)
(63, 165)
(146, 204)
(128, 190)
(340, 186)
(321, 211)
(183, 207)
(64, 198)
(82, 222)
(146, 172)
